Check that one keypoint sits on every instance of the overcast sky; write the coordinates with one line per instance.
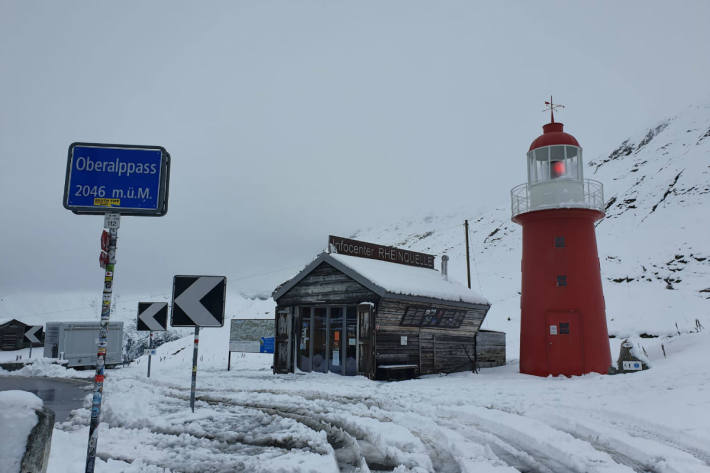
(290, 120)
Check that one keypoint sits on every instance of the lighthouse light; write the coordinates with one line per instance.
(558, 169)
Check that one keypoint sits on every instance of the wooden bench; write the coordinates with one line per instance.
(396, 372)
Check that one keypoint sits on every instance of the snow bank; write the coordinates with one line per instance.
(44, 367)
(17, 419)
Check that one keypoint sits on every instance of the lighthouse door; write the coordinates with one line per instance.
(564, 343)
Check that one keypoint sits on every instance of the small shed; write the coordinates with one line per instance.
(490, 348)
(12, 335)
(360, 315)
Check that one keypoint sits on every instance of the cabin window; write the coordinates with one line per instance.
(417, 316)
(561, 280)
(559, 242)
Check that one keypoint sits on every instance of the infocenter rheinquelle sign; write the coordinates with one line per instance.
(126, 179)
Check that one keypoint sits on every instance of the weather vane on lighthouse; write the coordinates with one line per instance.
(552, 107)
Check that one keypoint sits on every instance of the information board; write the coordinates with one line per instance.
(130, 180)
(252, 335)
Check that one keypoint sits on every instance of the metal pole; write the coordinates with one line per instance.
(229, 360)
(194, 369)
(150, 350)
(111, 221)
(468, 258)
(30, 350)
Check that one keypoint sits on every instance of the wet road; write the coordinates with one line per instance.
(60, 395)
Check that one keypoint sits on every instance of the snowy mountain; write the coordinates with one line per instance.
(653, 243)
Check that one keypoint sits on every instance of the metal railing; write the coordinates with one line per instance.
(523, 199)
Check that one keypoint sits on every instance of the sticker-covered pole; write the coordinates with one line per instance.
(111, 221)
(194, 369)
(150, 350)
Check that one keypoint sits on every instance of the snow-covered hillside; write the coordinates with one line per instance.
(653, 243)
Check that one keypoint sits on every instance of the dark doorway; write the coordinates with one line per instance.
(304, 340)
(350, 342)
(335, 322)
(319, 360)
(326, 339)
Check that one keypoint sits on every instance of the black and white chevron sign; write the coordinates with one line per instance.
(34, 334)
(152, 316)
(198, 301)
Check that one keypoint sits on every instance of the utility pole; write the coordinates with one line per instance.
(468, 275)
(468, 257)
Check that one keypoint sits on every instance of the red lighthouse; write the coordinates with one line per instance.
(563, 323)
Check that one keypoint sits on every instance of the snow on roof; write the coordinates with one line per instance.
(409, 280)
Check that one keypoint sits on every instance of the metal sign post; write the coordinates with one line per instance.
(198, 301)
(194, 369)
(113, 180)
(152, 316)
(111, 221)
(150, 350)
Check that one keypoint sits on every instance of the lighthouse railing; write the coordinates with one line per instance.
(592, 196)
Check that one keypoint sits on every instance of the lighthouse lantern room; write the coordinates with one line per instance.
(563, 322)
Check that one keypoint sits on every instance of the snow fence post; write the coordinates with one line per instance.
(112, 221)
(194, 369)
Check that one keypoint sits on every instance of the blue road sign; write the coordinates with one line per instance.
(266, 345)
(130, 180)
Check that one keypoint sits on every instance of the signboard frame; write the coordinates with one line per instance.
(160, 316)
(259, 343)
(177, 280)
(391, 254)
(161, 207)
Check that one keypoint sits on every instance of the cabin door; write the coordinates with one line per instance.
(365, 340)
(282, 347)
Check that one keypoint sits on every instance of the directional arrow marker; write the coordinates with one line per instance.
(152, 316)
(31, 334)
(198, 301)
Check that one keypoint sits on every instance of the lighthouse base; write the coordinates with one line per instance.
(563, 321)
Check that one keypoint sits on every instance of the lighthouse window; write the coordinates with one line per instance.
(564, 328)
(561, 280)
(559, 242)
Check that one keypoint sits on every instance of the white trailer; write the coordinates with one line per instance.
(77, 343)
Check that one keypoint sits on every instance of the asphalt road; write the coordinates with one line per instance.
(60, 395)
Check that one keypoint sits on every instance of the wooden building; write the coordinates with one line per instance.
(357, 313)
(12, 335)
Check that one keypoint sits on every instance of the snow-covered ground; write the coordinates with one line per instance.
(498, 420)
(17, 419)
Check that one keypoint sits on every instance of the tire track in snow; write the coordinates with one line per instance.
(636, 427)
(447, 450)
(552, 448)
(226, 440)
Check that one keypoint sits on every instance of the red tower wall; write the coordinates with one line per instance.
(582, 345)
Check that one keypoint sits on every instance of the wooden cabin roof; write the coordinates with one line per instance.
(391, 280)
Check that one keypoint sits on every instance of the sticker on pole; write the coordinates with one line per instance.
(198, 301)
(152, 316)
(125, 179)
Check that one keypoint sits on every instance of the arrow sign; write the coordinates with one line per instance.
(152, 316)
(198, 301)
(31, 334)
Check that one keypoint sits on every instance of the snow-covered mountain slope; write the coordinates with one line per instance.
(653, 243)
